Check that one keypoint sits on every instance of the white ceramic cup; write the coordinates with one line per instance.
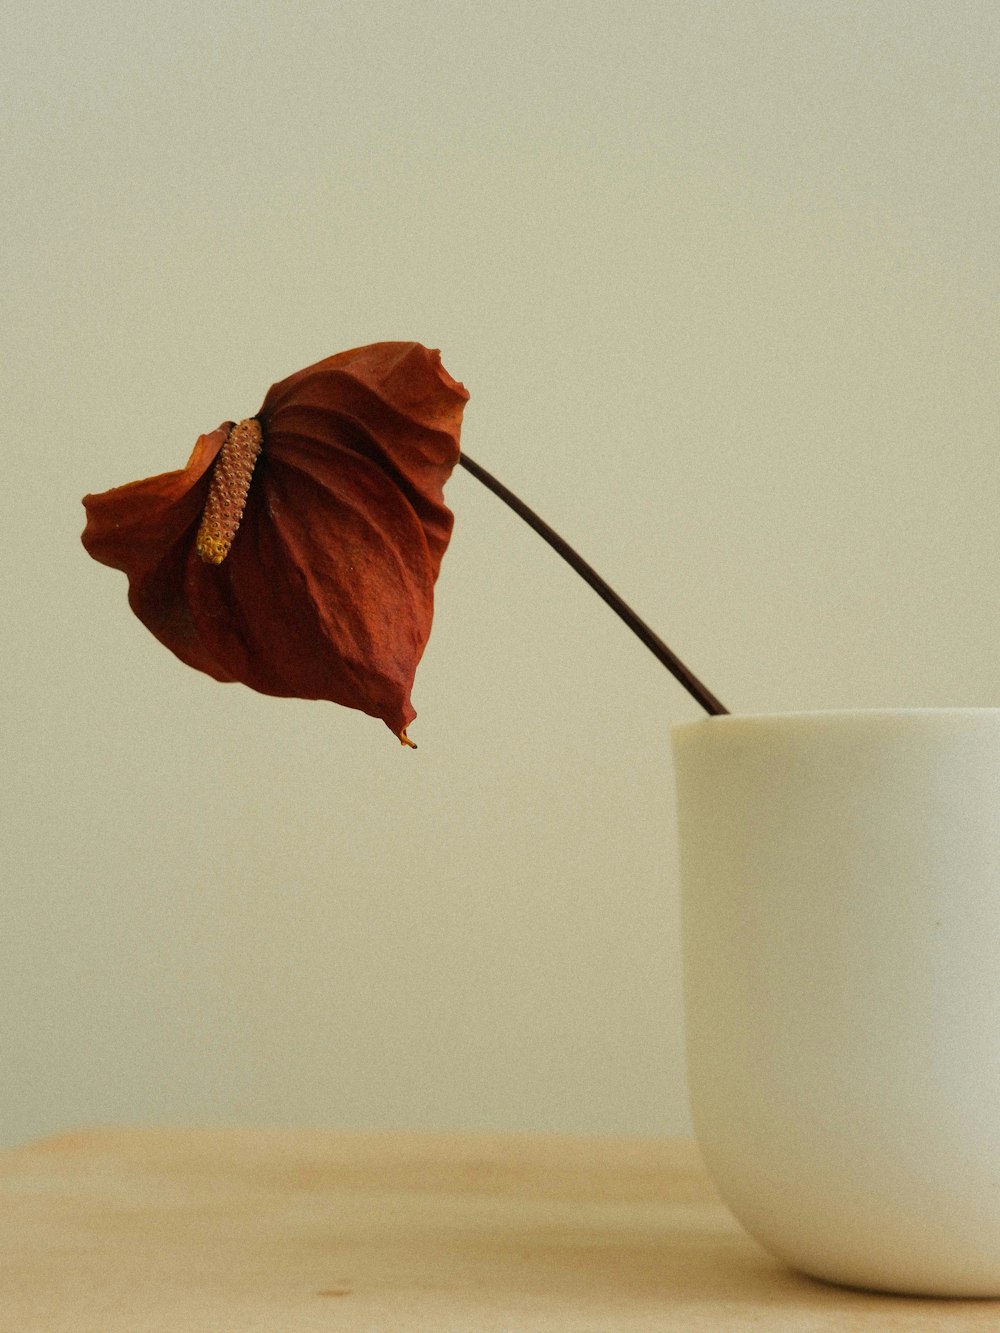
(841, 904)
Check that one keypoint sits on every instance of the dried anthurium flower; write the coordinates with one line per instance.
(297, 550)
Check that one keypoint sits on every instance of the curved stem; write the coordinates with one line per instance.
(590, 575)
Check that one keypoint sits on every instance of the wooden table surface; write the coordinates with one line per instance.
(221, 1231)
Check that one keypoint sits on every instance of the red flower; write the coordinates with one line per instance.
(297, 551)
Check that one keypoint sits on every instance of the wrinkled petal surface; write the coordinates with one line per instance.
(327, 591)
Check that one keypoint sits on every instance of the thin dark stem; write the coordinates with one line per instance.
(590, 575)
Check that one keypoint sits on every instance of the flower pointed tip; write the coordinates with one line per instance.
(405, 741)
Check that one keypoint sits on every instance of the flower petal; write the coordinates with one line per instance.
(391, 402)
(338, 609)
(147, 529)
(327, 590)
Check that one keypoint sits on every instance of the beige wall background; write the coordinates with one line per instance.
(722, 280)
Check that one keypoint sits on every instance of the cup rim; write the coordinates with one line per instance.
(834, 716)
